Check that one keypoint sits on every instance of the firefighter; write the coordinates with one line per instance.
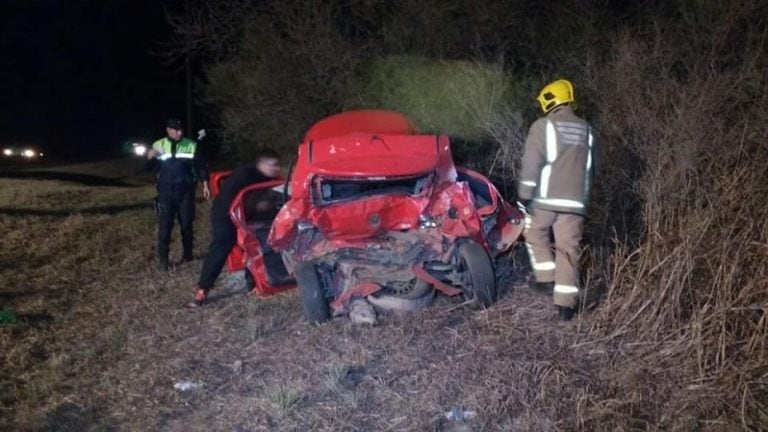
(224, 235)
(179, 167)
(554, 186)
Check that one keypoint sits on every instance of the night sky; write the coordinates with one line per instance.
(80, 77)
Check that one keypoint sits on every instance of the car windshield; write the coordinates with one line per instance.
(329, 190)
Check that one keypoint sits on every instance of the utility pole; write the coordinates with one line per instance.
(188, 67)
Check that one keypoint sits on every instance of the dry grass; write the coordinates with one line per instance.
(103, 337)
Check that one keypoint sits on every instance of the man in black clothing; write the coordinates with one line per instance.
(267, 167)
(179, 167)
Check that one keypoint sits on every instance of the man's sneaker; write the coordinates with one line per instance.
(565, 313)
(201, 295)
(546, 288)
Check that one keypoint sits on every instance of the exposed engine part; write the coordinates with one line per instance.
(386, 303)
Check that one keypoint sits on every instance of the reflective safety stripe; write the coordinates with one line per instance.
(566, 289)
(544, 266)
(528, 183)
(588, 172)
(166, 156)
(530, 254)
(537, 266)
(558, 202)
(551, 142)
(546, 172)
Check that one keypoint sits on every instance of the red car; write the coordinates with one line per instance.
(378, 211)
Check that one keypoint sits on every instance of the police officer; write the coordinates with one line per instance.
(556, 174)
(179, 167)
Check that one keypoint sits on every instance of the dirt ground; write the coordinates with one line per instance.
(102, 338)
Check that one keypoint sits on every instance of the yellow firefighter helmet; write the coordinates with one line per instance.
(555, 94)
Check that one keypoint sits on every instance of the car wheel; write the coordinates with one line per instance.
(477, 271)
(316, 308)
(411, 290)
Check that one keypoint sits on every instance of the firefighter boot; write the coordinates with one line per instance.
(565, 313)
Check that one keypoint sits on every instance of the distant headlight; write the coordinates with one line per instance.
(28, 153)
(7, 152)
(140, 149)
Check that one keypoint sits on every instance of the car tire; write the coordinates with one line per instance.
(475, 262)
(313, 300)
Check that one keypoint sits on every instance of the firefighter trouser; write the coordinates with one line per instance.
(170, 208)
(223, 239)
(558, 263)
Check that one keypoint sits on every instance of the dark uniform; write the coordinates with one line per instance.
(179, 167)
(222, 229)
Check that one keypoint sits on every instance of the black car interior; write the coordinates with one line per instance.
(260, 208)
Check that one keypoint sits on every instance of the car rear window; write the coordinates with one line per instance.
(328, 191)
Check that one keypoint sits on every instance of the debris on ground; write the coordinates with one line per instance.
(362, 312)
(187, 385)
(460, 415)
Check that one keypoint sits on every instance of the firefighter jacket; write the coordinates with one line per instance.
(178, 166)
(557, 166)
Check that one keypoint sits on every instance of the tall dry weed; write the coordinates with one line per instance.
(679, 237)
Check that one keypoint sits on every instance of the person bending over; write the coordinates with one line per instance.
(224, 234)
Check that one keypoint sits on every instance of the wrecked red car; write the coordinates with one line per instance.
(379, 212)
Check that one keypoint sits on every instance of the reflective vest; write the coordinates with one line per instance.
(185, 148)
(179, 169)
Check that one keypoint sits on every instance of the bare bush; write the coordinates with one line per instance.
(690, 271)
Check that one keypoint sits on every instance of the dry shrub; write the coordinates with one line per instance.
(682, 112)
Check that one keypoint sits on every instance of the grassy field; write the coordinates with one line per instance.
(102, 338)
